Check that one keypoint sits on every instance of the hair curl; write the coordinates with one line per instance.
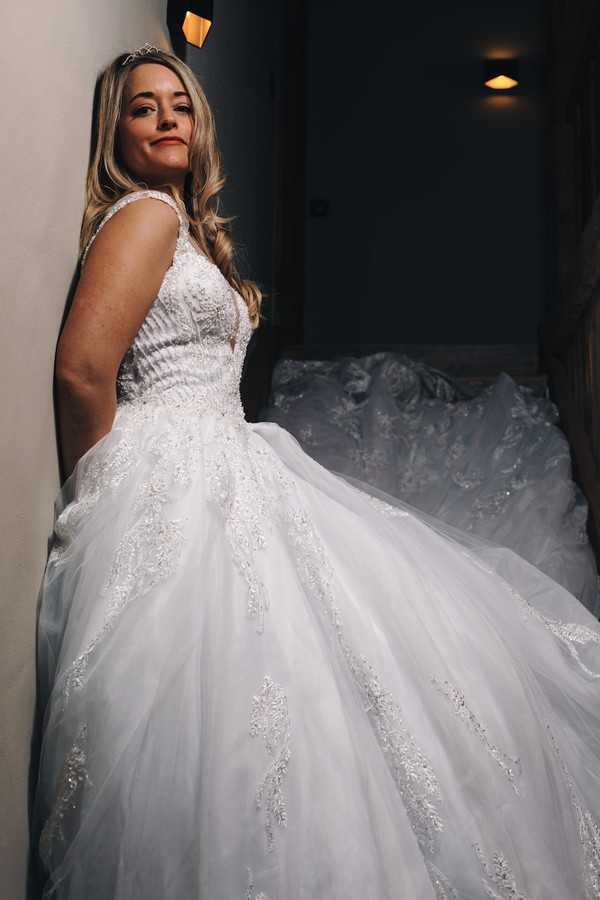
(108, 179)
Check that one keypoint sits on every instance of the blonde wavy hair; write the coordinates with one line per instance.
(108, 179)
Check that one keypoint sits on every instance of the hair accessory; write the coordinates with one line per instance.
(142, 51)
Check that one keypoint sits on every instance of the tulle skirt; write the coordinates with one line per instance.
(261, 679)
(488, 460)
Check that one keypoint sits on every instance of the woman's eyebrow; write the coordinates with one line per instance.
(151, 94)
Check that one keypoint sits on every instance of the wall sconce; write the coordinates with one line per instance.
(192, 18)
(501, 74)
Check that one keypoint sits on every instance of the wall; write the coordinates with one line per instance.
(235, 67)
(436, 229)
(51, 71)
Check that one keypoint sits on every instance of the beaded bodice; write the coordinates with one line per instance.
(190, 347)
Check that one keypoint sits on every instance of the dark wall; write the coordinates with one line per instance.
(435, 232)
(241, 56)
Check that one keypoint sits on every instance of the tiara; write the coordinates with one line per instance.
(142, 51)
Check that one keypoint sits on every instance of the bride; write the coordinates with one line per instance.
(260, 680)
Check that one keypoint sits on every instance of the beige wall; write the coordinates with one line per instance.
(51, 53)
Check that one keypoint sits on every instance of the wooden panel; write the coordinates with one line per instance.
(571, 340)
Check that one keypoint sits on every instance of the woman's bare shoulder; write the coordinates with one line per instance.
(146, 225)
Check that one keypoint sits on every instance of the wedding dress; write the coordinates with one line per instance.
(490, 460)
(261, 680)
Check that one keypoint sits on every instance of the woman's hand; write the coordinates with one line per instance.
(120, 280)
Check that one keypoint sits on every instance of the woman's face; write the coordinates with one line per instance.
(155, 126)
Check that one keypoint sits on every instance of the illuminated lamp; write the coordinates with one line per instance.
(192, 18)
(501, 74)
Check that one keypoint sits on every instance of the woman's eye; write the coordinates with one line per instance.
(140, 110)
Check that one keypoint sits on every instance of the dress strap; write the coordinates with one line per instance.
(138, 195)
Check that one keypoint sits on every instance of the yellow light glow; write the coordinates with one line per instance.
(195, 29)
(501, 83)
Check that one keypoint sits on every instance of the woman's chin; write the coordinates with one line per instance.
(165, 175)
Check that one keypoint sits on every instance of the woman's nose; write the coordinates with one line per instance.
(166, 120)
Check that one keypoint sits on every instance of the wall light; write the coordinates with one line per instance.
(193, 18)
(501, 74)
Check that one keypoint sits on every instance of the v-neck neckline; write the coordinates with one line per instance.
(197, 249)
(203, 255)
(237, 324)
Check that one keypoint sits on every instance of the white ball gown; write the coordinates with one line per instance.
(490, 460)
(261, 681)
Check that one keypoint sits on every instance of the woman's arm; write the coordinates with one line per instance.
(122, 276)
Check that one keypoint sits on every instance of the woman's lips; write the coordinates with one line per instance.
(169, 141)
